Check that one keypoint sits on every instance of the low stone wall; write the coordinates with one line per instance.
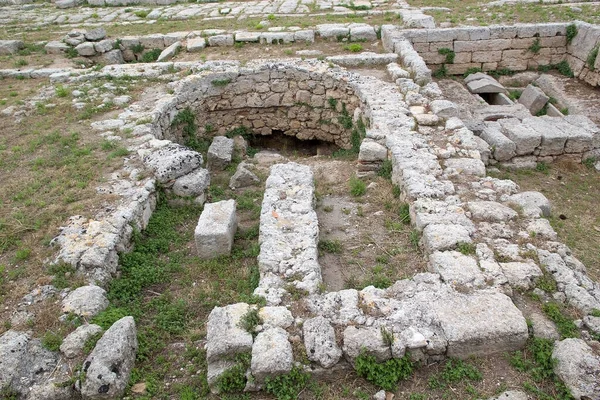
(517, 47)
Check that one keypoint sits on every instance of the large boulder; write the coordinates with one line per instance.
(108, 367)
(73, 344)
(10, 46)
(172, 161)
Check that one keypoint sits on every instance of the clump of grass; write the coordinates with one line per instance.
(448, 53)
(542, 167)
(330, 246)
(385, 171)
(466, 248)
(357, 187)
(591, 58)
(441, 72)
(221, 82)
(141, 13)
(151, 55)
(566, 326)
(250, 321)
(353, 47)
(535, 46)
(454, 371)
(288, 386)
(571, 33)
(52, 341)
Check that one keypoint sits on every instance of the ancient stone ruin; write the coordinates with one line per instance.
(484, 240)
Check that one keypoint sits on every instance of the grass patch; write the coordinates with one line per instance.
(357, 187)
(353, 47)
(449, 53)
(566, 326)
(151, 56)
(52, 341)
(454, 371)
(288, 386)
(330, 246)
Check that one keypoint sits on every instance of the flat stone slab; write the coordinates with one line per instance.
(481, 324)
(219, 153)
(533, 203)
(485, 86)
(491, 211)
(533, 98)
(271, 354)
(442, 237)
(320, 343)
(456, 268)
(216, 229)
(86, 301)
(289, 233)
(224, 336)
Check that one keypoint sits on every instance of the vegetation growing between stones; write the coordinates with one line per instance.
(454, 371)
(591, 58)
(151, 55)
(250, 321)
(189, 130)
(357, 186)
(562, 67)
(449, 53)
(566, 326)
(466, 248)
(535, 46)
(385, 171)
(385, 375)
(288, 386)
(571, 33)
(234, 379)
(221, 82)
(538, 363)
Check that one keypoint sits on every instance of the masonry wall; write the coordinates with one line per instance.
(580, 49)
(492, 48)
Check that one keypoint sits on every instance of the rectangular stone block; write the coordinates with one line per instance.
(520, 43)
(433, 57)
(462, 58)
(486, 56)
(459, 69)
(441, 45)
(553, 139)
(503, 148)
(525, 138)
(215, 230)
(554, 41)
(482, 45)
(503, 32)
(480, 324)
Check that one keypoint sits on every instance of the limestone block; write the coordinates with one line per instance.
(172, 161)
(247, 36)
(320, 343)
(271, 354)
(503, 149)
(95, 34)
(466, 166)
(169, 52)
(332, 31)
(243, 177)
(224, 337)
(73, 344)
(533, 98)
(541, 228)
(216, 229)
(444, 109)
(511, 395)
(86, 301)
(543, 327)
(306, 36)
(480, 324)
(195, 45)
(456, 268)
(277, 37)
(10, 46)
(444, 237)
(371, 151)
(219, 153)
(220, 40)
(521, 275)
(56, 47)
(154, 41)
(104, 46)
(193, 184)
(276, 316)
(491, 211)
(553, 139)
(109, 365)
(367, 339)
(86, 49)
(578, 367)
(526, 140)
(360, 32)
(485, 86)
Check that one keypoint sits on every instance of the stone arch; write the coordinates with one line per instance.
(307, 100)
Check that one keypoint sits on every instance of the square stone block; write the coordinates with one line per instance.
(215, 230)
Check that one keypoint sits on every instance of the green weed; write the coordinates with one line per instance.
(330, 246)
(357, 187)
(151, 56)
(571, 33)
(449, 55)
(288, 386)
(385, 375)
(566, 326)
(51, 341)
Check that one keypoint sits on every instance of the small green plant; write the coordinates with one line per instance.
(514, 94)
(271, 17)
(595, 313)
(454, 371)
(386, 336)
(353, 47)
(441, 72)
(571, 33)
(288, 386)
(20, 63)
(472, 71)
(535, 46)
(396, 191)
(137, 48)
(71, 53)
(61, 91)
(332, 102)
(448, 53)
(542, 167)
(151, 55)
(250, 321)
(234, 379)
(466, 248)
(141, 13)
(357, 187)
(118, 152)
(566, 326)
(385, 375)
(385, 170)
(62, 273)
(564, 68)
(51, 341)
(591, 59)
(22, 254)
(404, 213)
(330, 246)
(221, 82)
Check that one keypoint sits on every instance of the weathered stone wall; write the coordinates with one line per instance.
(292, 100)
(579, 51)
(492, 48)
